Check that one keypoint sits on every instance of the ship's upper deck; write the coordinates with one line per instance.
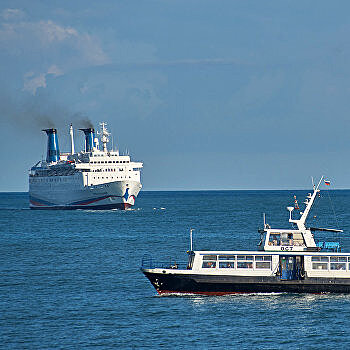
(89, 160)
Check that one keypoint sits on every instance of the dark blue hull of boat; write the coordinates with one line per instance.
(166, 283)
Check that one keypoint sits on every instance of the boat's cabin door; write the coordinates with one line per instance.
(291, 267)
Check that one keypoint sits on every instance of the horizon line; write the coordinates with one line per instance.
(213, 190)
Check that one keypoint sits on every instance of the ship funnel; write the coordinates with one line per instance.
(89, 139)
(53, 152)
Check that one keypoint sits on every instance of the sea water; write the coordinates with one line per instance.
(72, 279)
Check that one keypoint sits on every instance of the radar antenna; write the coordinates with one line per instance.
(104, 136)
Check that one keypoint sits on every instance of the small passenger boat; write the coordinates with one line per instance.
(287, 260)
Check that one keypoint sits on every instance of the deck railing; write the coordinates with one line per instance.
(329, 246)
(148, 262)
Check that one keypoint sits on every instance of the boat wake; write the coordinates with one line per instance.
(228, 295)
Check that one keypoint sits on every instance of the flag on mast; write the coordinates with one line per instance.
(327, 182)
(296, 205)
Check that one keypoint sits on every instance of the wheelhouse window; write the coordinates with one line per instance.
(286, 238)
(275, 239)
(298, 239)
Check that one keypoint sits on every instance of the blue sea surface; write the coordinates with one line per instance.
(72, 279)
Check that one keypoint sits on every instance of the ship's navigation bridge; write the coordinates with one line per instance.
(300, 239)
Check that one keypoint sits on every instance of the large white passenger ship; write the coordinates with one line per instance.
(91, 179)
(287, 260)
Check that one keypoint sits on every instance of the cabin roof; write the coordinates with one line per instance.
(257, 252)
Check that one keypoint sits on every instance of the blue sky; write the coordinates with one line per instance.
(208, 94)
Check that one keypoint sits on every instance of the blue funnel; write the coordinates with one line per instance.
(53, 152)
(89, 139)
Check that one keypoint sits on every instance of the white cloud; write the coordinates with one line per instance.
(45, 31)
(43, 46)
(32, 82)
(50, 32)
(48, 41)
(12, 14)
(55, 71)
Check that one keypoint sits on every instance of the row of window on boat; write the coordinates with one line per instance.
(336, 262)
(285, 238)
(53, 179)
(109, 161)
(243, 261)
(264, 262)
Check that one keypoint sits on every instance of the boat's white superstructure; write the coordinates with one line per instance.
(93, 178)
(287, 260)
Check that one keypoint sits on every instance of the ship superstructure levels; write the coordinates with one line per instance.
(92, 178)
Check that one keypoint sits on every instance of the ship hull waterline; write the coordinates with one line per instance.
(222, 285)
(120, 206)
(114, 195)
(102, 203)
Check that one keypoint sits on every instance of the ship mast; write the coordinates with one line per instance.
(309, 202)
(104, 136)
(308, 236)
(71, 139)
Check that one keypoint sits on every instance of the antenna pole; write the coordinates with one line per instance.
(264, 218)
(71, 139)
(310, 200)
(319, 183)
(191, 242)
(104, 136)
